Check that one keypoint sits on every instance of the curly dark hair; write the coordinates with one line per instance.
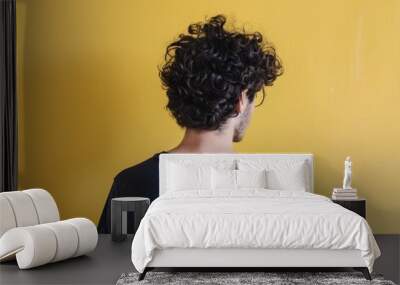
(206, 71)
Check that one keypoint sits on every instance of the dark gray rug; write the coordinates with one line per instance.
(269, 278)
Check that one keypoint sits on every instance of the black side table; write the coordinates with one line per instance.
(356, 205)
(119, 209)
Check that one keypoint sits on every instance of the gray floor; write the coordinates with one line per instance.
(110, 260)
(389, 262)
(103, 266)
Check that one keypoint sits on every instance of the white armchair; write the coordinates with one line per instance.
(31, 230)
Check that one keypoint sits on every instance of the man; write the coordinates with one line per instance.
(211, 77)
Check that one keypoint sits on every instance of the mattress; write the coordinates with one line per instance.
(250, 219)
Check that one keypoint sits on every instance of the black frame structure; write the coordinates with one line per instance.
(8, 100)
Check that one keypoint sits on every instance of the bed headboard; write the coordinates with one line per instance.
(217, 158)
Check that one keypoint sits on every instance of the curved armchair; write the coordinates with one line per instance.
(31, 232)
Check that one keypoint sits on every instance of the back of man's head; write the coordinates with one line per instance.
(208, 69)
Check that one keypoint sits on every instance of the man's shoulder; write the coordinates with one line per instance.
(140, 170)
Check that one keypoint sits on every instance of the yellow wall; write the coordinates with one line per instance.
(91, 102)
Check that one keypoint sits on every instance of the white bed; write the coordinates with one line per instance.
(199, 224)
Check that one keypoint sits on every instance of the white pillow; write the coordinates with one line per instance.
(181, 177)
(223, 179)
(251, 178)
(281, 174)
(293, 179)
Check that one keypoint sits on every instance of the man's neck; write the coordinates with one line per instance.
(195, 141)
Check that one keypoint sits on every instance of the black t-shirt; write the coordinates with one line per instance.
(140, 180)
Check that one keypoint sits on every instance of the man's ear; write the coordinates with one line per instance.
(242, 103)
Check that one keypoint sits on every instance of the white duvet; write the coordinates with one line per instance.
(252, 218)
